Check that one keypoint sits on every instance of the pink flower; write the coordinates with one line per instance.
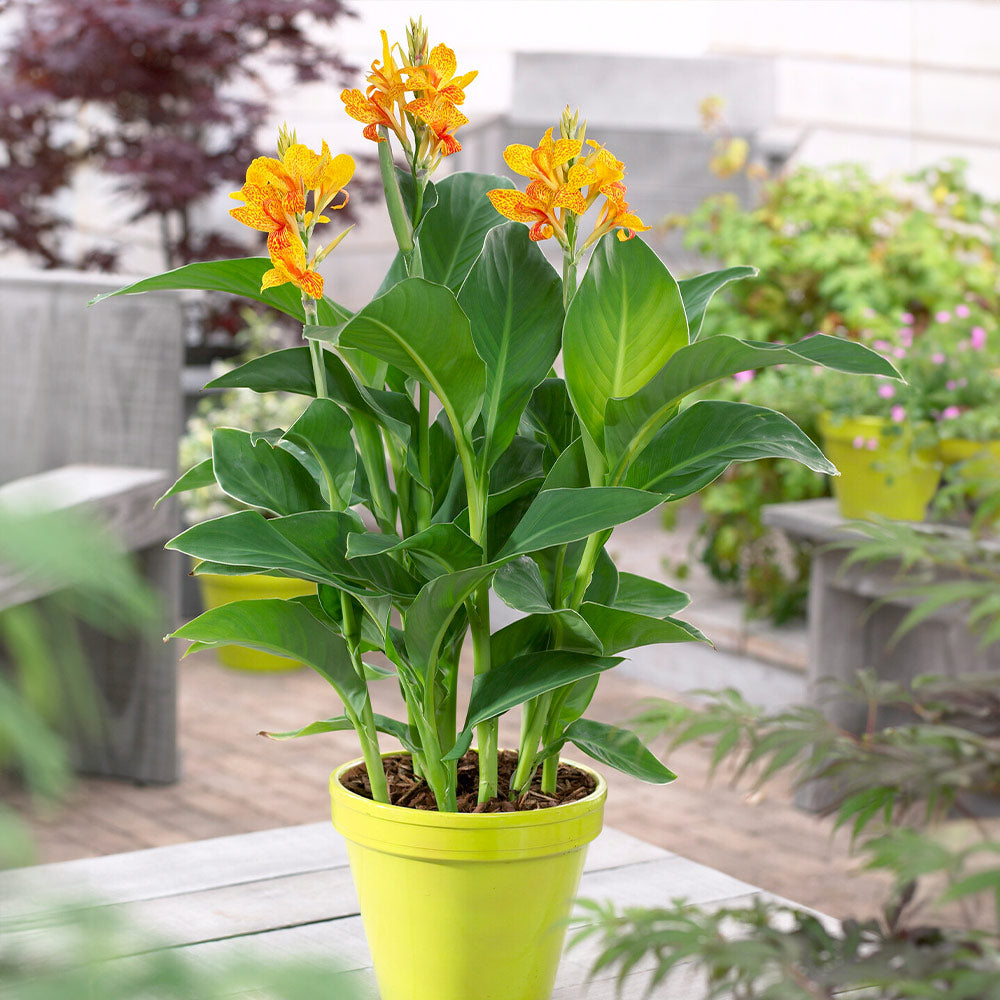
(943, 316)
(899, 352)
(859, 442)
(747, 376)
(951, 385)
(950, 412)
(977, 339)
(938, 358)
(962, 311)
(887, 391)
(906, 318)
(871, 444)
(898, 414)
(906, 336)
(882, 345)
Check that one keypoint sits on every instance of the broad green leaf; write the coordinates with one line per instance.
(578, 700)
(697, 292)
(289, 544)
(630, 423)
(519, 585)
(452, 233)
(699, 444)
(324, 431)
(513, 299)
(549, 417)
(420, 328)
(241, 276)
(201, 475)
(623, 325)
(569, 471)
(648, 597)
(559, 516)
(290, 370)
(341, 724)
(284, 628)
(623, 630)
(619, 748)
(428, 617)
(260, 475)
(515, 682)
(446, 548)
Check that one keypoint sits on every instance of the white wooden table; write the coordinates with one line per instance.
(288, 894)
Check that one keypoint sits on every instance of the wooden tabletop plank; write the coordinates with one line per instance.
(224, 861)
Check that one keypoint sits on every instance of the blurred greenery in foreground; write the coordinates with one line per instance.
(76, 952)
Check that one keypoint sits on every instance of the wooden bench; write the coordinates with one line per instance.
(91, 411)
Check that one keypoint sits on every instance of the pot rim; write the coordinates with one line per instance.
(472, 821)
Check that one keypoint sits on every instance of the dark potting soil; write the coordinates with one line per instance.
(405, 789)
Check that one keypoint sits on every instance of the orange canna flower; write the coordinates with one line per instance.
(290, 266)
(615, 214)
(275, 196)
(436, 78)
(383, 104)
(442, 118)
(552, 192)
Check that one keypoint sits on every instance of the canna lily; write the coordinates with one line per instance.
(552, 192)
(275, 196)
(616, 215)
(291, 266)
(436, 78)
(383, 104)
(441, 118)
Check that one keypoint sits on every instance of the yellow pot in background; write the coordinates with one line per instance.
(891, 479)
(465, 906)
(217, 589)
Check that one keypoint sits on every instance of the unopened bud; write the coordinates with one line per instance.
(325, 252)
(286, 139)
(416, 42)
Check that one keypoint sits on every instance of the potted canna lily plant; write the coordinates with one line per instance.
(443, 458)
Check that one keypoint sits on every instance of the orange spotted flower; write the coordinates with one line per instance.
(436, 78)
(285, 198)
(441, 118)
(290, 265)
(432, 113)
(384, 103)
(551, 192)
(558, 176)
(616, 214)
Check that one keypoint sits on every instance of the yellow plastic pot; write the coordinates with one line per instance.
(978, 459)
(217, 590)
(881, 473)
(465, 906)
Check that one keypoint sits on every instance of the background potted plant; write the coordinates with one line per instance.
(437, 409)
(840, 252)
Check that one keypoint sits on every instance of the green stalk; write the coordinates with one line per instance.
(365, 724)
(537, 710)
(402, 227)
(421, 492)
(487, 733)
(372, 450)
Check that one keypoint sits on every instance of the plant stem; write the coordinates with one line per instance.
(537, 710)
(402, 227)
(372, 450)
(487, 733)
(422, 494)
(365, 725)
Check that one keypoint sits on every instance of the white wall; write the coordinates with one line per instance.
(897, 84)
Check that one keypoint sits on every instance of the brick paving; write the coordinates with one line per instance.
(235, 782)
